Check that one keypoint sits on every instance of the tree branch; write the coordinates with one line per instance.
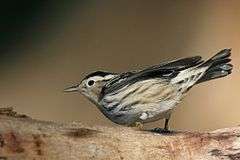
(23, 138)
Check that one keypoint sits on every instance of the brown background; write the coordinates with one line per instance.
(58, 42)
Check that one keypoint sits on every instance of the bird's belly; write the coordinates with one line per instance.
(157, 111)
(144, 102)
(128, 115)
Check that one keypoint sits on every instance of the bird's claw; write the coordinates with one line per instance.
(161, 131)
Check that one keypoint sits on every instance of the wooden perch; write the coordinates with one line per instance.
(23, 138)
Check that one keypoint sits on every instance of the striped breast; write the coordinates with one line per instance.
(141, 96)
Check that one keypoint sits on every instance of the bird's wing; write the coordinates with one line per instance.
(179, 64)
(165, 70)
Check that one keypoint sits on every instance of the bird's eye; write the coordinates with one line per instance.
(90, 82)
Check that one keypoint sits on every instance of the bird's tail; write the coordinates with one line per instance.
(219, 66)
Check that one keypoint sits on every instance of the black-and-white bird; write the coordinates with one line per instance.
(138, 97)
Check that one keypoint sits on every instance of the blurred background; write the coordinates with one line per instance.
(49, 45)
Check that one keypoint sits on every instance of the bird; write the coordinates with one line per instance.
(137, 97)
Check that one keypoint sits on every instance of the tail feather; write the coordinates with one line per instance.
(219, 66)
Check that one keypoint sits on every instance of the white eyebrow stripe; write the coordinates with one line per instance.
(96, 78)
(99, 78)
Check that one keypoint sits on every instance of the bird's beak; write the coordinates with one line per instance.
(72, 89)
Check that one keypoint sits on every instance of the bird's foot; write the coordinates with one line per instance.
(161, 131)
(139, 126)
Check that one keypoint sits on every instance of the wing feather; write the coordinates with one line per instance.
(165, 71)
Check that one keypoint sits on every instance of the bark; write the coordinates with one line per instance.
(23, 138)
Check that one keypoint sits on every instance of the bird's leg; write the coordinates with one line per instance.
(164, 130)
(166, 126)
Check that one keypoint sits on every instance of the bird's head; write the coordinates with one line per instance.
(91, 86)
